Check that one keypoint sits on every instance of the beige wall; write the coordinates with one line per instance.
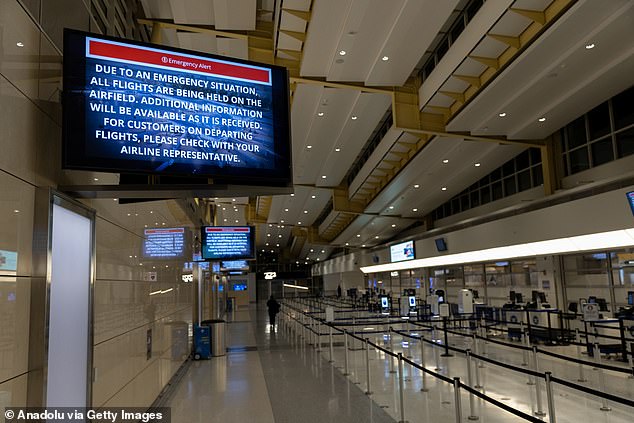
(30, 157)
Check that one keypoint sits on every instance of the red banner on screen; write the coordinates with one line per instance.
(170, 60)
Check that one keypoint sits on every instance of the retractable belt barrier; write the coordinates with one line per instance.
(572, 385)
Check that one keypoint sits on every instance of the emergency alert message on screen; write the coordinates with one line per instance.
(160, 106)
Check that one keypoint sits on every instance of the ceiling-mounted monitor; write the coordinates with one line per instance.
(227, 242)
(141, 108)
(402, 251)
(164, 243)
(630, 200)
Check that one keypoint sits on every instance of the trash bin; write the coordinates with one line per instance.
(217, 333)
(202, 348)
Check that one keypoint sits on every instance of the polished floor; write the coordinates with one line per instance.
(267, 378)
(280, 376)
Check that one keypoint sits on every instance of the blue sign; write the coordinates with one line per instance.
(234, 265)
(135, 107)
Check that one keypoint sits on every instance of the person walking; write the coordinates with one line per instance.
(338, 291)
(274, 308)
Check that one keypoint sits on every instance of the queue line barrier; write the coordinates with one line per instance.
(547, 377)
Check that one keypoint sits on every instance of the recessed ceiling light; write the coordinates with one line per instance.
(114, 199)
(299, 223)
(354, 118)
(313, 196)
(323, 176)
(282, 225)
(342, 52)
(477, 165)
(129, 215)
(305, 211)
(323, 251)
(279, 236)
(358, 236)
(163, 223)
(267, 244)
(416, 186)
(268, 234)
(317, 259)
(362, 245)
(272, 251)
(394, 225)
(224, 208)
(445, 161)
(502, 114)
(281, 221)
(21, 44)
(320, 114)
(376, 237)
(16, 211)
(95, 179)
(225, 219)
(270, 225)
(236, 220)
(292, 194)
(347, 243)
(391, 207)
(311, 250)
(285, 210)
(542, 119)
(309, 147)
(385, 58)
(414, 210)
(337, 149)
(589, 46)
(444, 188)
(277, 245)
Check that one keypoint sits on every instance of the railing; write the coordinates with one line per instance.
(306, 324)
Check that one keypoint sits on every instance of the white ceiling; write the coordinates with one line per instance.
(555, 77)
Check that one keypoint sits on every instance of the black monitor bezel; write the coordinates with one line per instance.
(74, 122)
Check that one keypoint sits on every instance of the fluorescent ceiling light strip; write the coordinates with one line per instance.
(155, 292)
(602, 240)
(288, 285)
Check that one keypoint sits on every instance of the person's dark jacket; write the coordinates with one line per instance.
(273, 306)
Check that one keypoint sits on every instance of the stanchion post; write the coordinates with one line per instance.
(457, 399)
(472, 414)
(422, 363)
(630, 359)
(551, 399)
(331, 360)
(444, 328)
(532, 379)
(319, 336)
(389, 356)
(345, 343)
(524, 339)
(354, 332)
(367, 367)
(582, 376)
(401, 387)
(436, 356)
(538, 393)
(596, 352)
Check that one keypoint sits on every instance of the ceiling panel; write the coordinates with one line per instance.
(557, 77)
(411, 35)
(327, 20)
(193, 12)
(235, 14)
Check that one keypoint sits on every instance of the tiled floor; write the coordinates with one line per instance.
(265, 378)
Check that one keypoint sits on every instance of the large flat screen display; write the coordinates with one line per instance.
(8, 261)
(228, 242)
(234, 265)
(164, 243)
(136, 107)
(402, 251)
